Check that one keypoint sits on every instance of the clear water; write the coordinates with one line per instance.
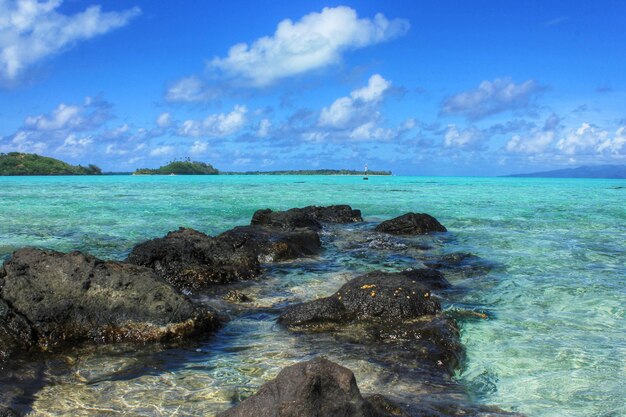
(555, 343)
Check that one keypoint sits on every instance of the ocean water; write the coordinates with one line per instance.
(554, 343)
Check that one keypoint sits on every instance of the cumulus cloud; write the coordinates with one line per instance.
(358, 106)
(198, 147)
(162, 150)
(585, 139)
(164, 120)
(91, 114)
(264, 128)
(537, 141)
(468, 138)
(215, 125)
(491, 97)
(74, 145)
(24, 141)
(31, 31)
(315, 41)
(190, 90)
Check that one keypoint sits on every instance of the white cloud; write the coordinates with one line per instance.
(537, 142)
(616, 145)
(346, 110)
(264, 128)
(162, 150)
(164, 120)
(92, 114)
(75, 146)
(31, 31)
(24, 141)
(315, 41)
(198, 147)
(492, 97)
(585, 139)
(468, 138)
(215, 125)
(370, 130)
(190, 90)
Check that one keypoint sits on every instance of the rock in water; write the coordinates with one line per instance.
(285, 220)
(74, 297)
(411, 224)
(309, 217)
(16, 333)
(377, 296)
(272, 244)
(316, 388)
(341, 213)
(190, 260)
(390, 308)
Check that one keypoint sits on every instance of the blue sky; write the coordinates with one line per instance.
(416, 87)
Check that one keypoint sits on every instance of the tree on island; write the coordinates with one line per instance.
(185, 167)
(16, 163)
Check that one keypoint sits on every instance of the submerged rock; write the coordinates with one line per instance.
(236, 296)
(411, 224)
(315, 388)
(8, 412)
(73, 297)
(190, 260)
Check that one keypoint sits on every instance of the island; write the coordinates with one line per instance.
(311, 172)
(595, 171)
(17, 163)
(180, 168)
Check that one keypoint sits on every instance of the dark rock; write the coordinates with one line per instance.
(411, 224)
(464, 263)
(285, 220)
(74, 297)
(309, 217)
(8, 412)
(273, 245)
(341, 213)
(190, 260)
(375, 296)
(16, 333)
(236, 296)
(316, 388)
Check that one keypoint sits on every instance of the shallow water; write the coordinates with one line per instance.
(555, 343)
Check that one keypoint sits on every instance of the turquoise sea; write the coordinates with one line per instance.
(554, 343)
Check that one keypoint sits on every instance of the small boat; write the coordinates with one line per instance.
(365, 173)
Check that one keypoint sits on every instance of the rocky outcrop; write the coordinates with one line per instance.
(377, 296)
(309, 217)
(411, 224)
(384, 307)
(190, 260)
(316, 388)
(273, 244)
(51, 299)
(16, 333)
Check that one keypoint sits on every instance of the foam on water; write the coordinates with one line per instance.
(555, 343)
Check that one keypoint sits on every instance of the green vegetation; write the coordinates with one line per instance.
(180, 168)
(16, 163)
(311, 172)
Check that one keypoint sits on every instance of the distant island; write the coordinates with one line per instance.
(180, 168)
(310, 172)
(16, 163)
(188, 167)
(597, 171)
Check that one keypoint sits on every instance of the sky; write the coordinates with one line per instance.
(416, 87)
